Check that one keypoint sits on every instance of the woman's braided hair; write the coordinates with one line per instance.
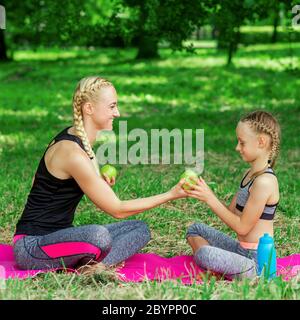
(264, 122)
(87, 90)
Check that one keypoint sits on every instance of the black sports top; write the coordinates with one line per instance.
(52, 201)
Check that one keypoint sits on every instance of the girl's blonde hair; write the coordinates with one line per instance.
(87, 90)
(265, 122)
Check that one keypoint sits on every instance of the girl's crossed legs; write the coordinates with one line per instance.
(220, 253)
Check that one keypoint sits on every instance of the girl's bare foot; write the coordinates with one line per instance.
(197, 242)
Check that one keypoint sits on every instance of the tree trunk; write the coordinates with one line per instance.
(275, 25)
(198, 34)
(147, 47)
(234, 41)
(214, 32)
(3, 53)
(230, 52)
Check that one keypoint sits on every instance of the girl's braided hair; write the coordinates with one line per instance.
(264, 122)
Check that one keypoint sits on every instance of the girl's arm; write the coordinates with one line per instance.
(232, 205)
(242, 225)
(100, 193)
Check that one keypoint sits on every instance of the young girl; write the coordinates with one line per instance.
(45, 237)
(252, 209)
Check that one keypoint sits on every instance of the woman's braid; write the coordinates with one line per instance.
(87, 90)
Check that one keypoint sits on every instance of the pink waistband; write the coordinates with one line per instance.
(249, 245)
(18, 237)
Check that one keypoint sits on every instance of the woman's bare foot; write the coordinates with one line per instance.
(91, 268)
(98, 267)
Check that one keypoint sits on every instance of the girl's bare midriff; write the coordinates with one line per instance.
(262, 226)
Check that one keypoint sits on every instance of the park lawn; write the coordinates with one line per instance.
(180, 90)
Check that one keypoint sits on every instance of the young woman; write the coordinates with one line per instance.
(45, 237)
(251, 211)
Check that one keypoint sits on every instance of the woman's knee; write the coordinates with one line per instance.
(100, 237)
(143, 230)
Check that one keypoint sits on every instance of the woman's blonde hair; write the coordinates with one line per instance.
(87, 90)
(265, 122)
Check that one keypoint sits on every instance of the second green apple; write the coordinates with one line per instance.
(188, 174)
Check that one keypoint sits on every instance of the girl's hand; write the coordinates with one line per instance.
(111, 182)
(201, 191)
(177, 191)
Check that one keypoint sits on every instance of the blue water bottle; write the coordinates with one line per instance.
(266, 256)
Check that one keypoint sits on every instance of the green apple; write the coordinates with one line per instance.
(187, 175)
(109, 170)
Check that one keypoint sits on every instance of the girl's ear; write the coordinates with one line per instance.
(263, 141)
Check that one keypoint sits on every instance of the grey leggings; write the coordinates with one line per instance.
(223, 255)
(75, 246)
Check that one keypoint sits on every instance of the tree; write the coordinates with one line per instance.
(276, 11)
(152, 21)
(230, 16)
(45, 22)
(277, 7)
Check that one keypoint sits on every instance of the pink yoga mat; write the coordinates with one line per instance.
(151, 266)
(147, 266)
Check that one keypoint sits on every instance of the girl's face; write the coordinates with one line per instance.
(250, 145)
(105, 109)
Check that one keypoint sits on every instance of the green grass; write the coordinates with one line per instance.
(177, 91)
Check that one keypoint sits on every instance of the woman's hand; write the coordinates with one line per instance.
(111, 182)
(201, 191)
(177, 191)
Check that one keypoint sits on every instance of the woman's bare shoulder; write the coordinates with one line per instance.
(70, 149)
(59, 157)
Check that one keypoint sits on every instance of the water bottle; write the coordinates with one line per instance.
(266, 256)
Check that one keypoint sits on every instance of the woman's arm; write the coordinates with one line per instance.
(131, 207)
(100, 193)
(242, 225)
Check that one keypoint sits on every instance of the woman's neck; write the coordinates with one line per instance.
(91, 134)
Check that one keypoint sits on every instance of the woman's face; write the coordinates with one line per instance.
(105, 109)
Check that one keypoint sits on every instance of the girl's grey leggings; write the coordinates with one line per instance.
(223, 255)
(76, 246)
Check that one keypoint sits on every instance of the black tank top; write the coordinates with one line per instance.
(52, 201)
